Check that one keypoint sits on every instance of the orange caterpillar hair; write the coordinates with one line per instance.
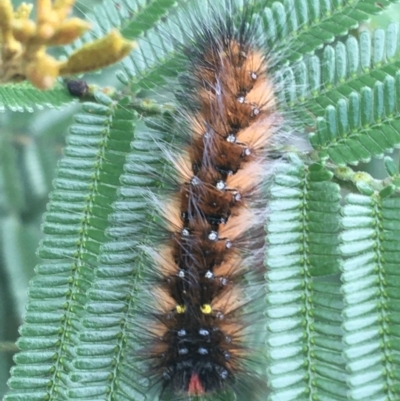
(229, 114)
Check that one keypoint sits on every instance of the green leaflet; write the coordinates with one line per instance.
(24, 97)
(74, 226)
(131, 17)
(367, 125)
(371, 293)
(306, 25)
(304, 308)
(349, 66)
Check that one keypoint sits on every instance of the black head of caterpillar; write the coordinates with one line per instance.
(197, 358)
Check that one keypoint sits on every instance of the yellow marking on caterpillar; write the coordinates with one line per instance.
(206, 309)
(180, 309)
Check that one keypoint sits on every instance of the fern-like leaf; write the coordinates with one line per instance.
(366, 126)
(110, 324)
(74, 226)
(302, 26)
(304, 309)
(24, 97)
(371, 294)
(319, 81)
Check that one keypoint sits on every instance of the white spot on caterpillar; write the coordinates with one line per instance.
(237, 197)
(247, 152)
(185, 232)
(181, 333)
(183, 351)
(213, 236)
(209, 274)
(256, 111)
(195, 181)
(204, 332)
(220, 185)
(253, 76)
(223, 281)
(231, 138)
(202, 351)
(224, 374)
(181, 274)
(240, 99)
(228, 244)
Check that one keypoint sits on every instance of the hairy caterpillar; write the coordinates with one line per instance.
(210, 268)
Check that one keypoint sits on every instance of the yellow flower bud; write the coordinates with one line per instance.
(24, 30)
(98, 54)
(45, 32)
(47, 21)
(6, 16)
(63, 8)
(68, 31)
(10, 48)
(44, 9)
(23, 43)
(42, 71)
(23, 11)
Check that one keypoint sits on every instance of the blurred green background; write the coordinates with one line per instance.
(30, 146)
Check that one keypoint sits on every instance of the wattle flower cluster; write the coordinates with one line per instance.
(24, 43)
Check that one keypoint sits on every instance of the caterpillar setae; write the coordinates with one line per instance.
(205, 327)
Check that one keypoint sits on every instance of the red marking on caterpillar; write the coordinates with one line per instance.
(195, 386)
(228, 113)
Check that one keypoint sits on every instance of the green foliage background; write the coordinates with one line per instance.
(332, 299)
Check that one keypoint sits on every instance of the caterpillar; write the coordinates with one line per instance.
(208, 269)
